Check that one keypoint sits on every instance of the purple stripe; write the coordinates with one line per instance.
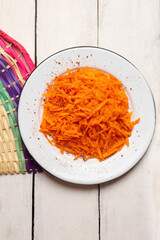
(9, 90)
(11, 77)
(7, 78)
(5, 64)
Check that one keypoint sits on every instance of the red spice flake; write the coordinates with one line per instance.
(130, 88)
(78, 63)
(59, 63)
(78, 55)
(86, 56)
(91, 55)
(38, 138)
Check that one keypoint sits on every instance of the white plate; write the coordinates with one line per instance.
(63, 166)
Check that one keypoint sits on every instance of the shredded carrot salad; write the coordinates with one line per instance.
(86, 113)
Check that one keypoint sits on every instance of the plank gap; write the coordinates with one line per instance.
(99, 211)
(97, 23)
(35, 36)
(33, 204)
(33, 178)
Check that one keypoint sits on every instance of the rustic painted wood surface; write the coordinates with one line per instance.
(64, 210)
(127, 208)
(17, 19)
(130, 206)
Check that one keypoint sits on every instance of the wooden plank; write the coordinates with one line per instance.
(65, 211)
(130, 206)
(62, 24)
(17, 19)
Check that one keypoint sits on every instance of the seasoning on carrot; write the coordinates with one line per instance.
(86, 113)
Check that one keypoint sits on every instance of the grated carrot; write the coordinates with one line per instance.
(86, 113)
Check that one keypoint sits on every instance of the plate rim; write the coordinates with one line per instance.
(134, 164)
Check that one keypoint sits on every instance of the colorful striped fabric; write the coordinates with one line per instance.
(15, 68)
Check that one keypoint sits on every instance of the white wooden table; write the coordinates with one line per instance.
(41, 207)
